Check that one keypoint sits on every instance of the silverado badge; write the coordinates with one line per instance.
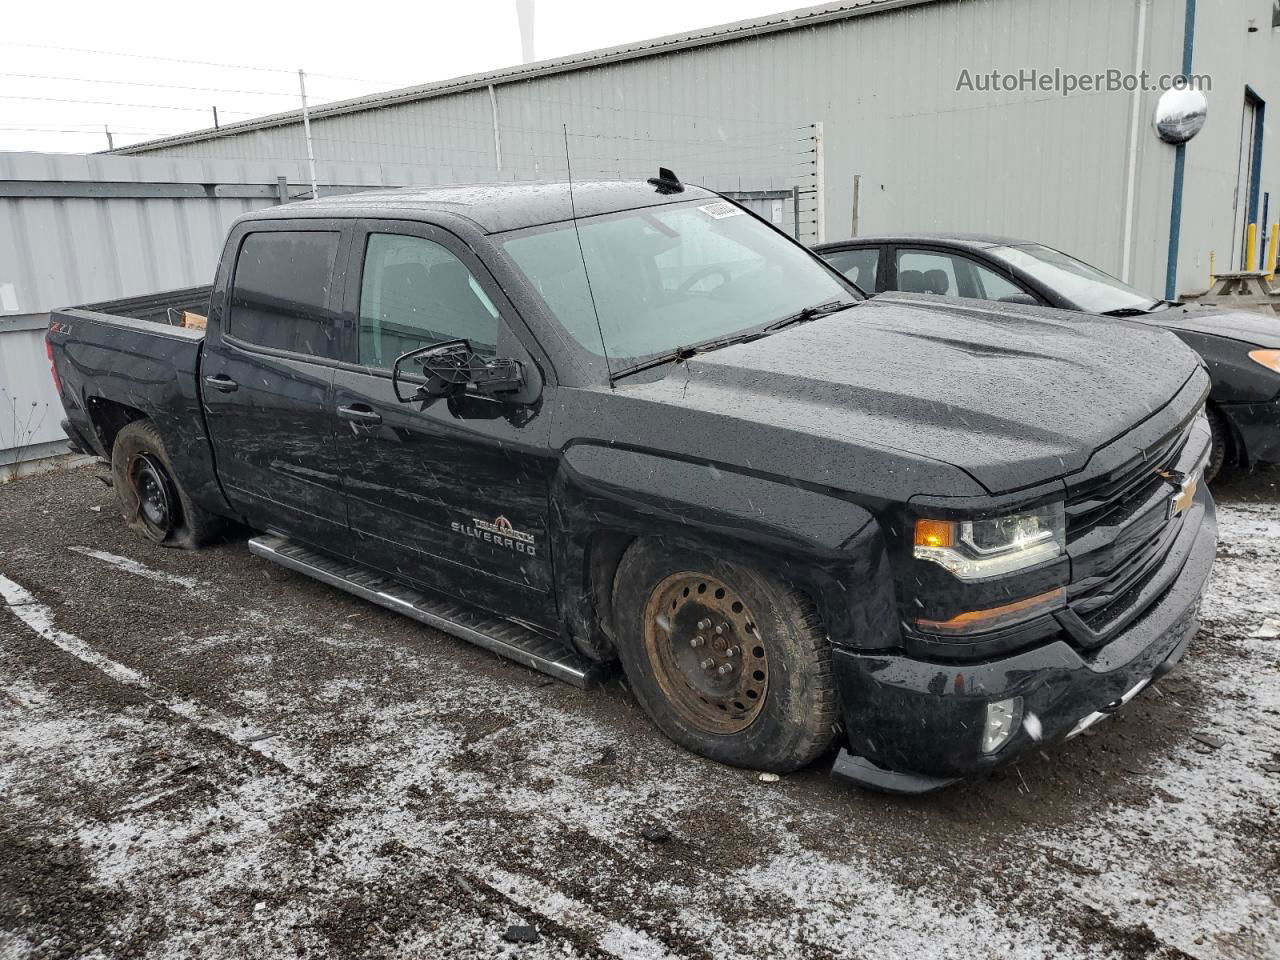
(500, 532)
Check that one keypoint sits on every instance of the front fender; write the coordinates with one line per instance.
(829, 547)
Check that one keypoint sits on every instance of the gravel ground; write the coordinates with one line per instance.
(204, 755)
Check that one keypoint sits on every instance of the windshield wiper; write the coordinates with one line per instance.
(684, 353)
(810, 313)
(1156, 307)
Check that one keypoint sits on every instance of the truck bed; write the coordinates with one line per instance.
(166, 307)
(122, 360)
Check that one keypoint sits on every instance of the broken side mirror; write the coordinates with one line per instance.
(448, 369)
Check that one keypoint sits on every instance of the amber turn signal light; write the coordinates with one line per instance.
(974, 621)
(935, 533)
(1268, 358)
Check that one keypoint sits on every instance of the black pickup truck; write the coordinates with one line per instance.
(626, 421)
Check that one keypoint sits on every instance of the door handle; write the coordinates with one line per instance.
(359, 413)
(222, 383)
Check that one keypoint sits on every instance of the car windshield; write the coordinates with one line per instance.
(1088, 288)
(669, 276)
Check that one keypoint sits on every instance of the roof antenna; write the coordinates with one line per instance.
(666, 182)
(573, 212)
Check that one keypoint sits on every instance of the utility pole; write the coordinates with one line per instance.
(524, 13)
(215, 116)
(110, 144)
(306, 129)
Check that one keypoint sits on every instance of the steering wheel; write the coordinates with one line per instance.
(699, 275)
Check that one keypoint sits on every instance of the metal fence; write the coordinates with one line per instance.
(77, 229)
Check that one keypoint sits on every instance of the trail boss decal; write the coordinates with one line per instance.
(500, 533)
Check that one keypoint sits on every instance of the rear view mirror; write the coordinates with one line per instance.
(448, 369)
(1026, 298)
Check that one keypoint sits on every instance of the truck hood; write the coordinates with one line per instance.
(1246, 326)
(1013, 397)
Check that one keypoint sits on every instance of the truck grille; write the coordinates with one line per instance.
(1118, 533)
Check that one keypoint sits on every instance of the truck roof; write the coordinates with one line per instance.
(494, 207)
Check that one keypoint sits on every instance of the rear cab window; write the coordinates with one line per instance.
(280, 292)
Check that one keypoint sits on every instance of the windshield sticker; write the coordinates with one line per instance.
(721, 209)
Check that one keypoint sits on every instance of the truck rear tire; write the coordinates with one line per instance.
(151, 498)
(728, 662)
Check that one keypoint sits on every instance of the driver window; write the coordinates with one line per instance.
(413, 293)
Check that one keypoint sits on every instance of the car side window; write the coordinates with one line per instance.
(994, 286)
(415, 292)
(924, 271)
(858, 265)
(952, 275)
(280, 292)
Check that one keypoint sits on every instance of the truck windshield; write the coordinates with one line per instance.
(1088, 288)
(664, 277)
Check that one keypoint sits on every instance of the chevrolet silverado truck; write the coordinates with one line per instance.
(630, 422)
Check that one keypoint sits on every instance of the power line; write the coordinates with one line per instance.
(139, 83)
(110, 103)
(96, 132)
(184, 61)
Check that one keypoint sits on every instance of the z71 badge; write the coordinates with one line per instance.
(500, 533)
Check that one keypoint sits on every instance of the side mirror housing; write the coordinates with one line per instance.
(1024, 298)
(449, 369)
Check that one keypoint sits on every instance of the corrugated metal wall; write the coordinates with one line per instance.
(734, 114)
(57, 251)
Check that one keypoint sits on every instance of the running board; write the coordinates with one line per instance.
(499, 636)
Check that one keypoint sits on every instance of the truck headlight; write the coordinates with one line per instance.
(973, 549)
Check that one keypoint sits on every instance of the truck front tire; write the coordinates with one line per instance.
(728, 662)
(151, 498)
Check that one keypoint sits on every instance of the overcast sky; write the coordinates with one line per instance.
(106, 71)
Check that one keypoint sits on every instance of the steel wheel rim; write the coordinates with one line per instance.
(704, 645)
(155, 497)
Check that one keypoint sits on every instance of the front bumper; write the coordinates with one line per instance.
(916, 725)
(1258, 427)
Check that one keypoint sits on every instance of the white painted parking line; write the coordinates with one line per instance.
(139, 569)
(39, 617)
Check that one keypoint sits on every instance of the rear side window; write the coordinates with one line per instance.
(858, 265)
(280, 292)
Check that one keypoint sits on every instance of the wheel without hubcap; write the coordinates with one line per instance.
(706, 652)
(155, 496)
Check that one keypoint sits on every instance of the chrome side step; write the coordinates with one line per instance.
(500, 636)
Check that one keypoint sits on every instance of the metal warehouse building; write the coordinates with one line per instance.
(860, 107)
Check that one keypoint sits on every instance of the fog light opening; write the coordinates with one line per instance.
(1003, 720)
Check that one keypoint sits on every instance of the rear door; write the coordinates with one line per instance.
(268, 379)
(452, 495)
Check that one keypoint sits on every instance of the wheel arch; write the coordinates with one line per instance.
(109, 417)
(606, 498)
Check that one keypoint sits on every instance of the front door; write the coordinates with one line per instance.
(452, 495)
(268, 381)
